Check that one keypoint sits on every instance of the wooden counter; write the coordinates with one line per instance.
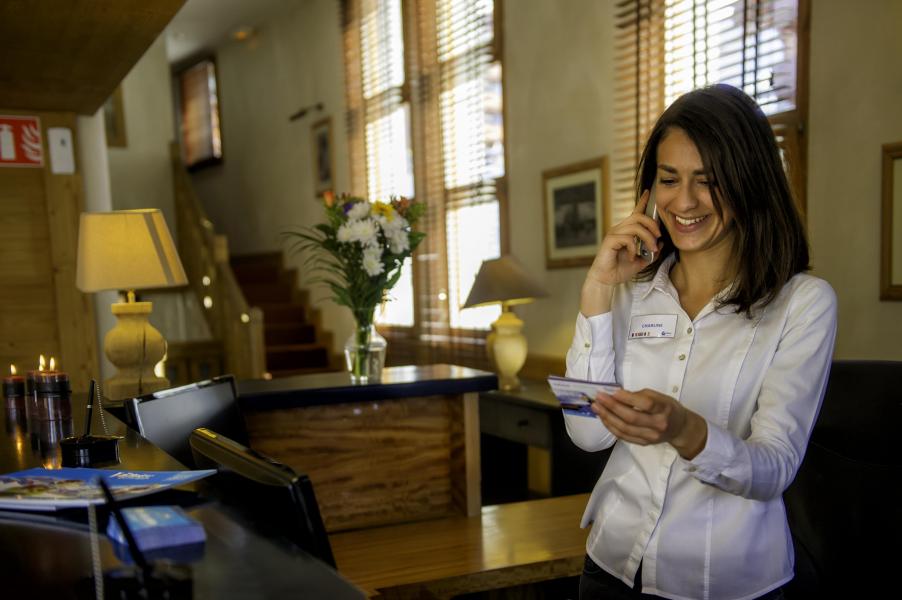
(402, 450)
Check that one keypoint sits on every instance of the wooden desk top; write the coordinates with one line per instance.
(509, 544)
(535, 394)
(331, 388)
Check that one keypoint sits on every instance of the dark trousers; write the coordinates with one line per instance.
(596, 584)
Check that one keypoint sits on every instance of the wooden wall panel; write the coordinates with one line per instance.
(41, 311)
(371, 463)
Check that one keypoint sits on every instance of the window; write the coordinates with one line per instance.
(425, 118)
(666, 48)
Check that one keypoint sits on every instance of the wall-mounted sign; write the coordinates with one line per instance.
(20, 142)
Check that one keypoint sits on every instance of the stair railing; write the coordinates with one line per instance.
(205, 256)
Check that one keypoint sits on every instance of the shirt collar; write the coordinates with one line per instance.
(661, 280)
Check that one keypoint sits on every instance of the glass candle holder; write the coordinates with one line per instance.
(52, 394)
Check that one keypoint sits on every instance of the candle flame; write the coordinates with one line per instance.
(12, 369)
(41, 363)
(52, 363)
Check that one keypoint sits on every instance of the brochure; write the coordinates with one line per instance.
(53, 489)
(576, 395)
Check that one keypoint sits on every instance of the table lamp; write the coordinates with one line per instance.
(506, 281)
(129, 250)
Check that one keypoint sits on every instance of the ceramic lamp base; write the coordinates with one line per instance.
(134, 346)
(506, 346)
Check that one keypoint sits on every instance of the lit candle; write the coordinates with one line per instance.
(13, 384)
(31, 375)
(52, 394)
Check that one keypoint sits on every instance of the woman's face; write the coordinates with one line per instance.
(684, 195)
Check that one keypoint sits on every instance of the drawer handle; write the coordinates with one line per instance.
(523, 423)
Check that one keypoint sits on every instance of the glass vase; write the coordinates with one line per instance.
(365, 354)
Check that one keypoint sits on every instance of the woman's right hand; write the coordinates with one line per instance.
(617, 260)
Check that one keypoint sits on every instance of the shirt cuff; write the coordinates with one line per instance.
(593, 329)
(716, 463)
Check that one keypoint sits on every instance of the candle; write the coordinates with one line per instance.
(13, 384)
(31, 375)
(52, 394)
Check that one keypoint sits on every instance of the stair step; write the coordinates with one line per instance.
(296, 356)
(251, 274)
(267, 293)
(290, 333)
(258, 259)
(282, 313)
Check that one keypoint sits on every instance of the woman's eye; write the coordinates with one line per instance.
(667, 181)
(705, 182)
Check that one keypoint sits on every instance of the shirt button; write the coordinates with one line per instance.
(588, 345)
(682, 357)
(689, 330)
(692, 469)
(675, 389)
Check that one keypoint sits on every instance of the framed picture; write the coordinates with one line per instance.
(114, 119)
(323, 167)
(576, 208)
(198, 113)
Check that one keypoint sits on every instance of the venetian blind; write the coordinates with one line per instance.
(379, 120)
(669, 47)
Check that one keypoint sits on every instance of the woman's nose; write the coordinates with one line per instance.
(685, 199)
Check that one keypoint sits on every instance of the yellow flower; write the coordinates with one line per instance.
(384, 210)
(329, 198)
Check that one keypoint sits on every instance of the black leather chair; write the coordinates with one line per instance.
(168, 417)
(844, 506)
(271, 495)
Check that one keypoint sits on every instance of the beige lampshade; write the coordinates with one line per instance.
(504, 280)
(126, 250)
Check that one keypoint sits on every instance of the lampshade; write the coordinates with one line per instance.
(503, 280)
(126, 250)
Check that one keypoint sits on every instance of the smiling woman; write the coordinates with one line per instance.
(714, 413)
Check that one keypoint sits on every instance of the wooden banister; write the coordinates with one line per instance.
(205, 256)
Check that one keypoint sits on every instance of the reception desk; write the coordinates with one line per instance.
(401, 450)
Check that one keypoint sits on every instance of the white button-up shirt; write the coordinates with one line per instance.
(713, 527)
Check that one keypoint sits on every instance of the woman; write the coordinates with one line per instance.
(722, 346)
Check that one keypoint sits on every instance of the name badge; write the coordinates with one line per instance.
(652, 326)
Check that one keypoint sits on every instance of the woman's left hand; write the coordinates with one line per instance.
(649, 417)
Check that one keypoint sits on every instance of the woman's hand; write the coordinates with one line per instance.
(649, 417)
(617, 260)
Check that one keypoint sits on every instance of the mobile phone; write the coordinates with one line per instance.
(651, 210)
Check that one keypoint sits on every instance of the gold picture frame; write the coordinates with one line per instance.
(891, 224)
(576, 212)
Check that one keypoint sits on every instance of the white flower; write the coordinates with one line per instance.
(363, 231)
(396, 224)
(372, 261)
(398, 241)
(344, 233)
(360, 210)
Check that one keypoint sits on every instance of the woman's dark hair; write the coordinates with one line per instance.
(741, 157)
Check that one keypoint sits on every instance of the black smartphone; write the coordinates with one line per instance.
(651, 210)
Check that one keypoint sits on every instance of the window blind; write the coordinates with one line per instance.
(666, 48)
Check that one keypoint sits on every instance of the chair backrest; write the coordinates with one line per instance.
(168, 417)
(844, 504)
(270, 494)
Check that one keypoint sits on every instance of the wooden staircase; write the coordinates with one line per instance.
(292, 344)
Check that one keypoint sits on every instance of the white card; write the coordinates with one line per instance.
(62, 155)
(652, 326)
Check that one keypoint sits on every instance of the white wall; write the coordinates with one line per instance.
(855, 107)
(558, 74)
(265, 184)
(140, 173)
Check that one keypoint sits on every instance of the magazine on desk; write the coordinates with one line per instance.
(576, 395)
(53, 489)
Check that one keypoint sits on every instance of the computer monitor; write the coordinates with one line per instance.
(267, 492)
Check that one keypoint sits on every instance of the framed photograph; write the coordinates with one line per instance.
(577, 213)
(323, 167)
(198, 114)
(114, 119)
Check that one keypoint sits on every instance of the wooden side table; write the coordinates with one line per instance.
(530, 418)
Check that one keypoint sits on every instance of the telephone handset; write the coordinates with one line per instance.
(651, 210)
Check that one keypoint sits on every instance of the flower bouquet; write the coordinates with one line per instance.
(358, 252)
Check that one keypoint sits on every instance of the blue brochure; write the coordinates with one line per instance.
(52, 489)
(156, 527)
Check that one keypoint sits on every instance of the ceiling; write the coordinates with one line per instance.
(70, 56)
(204, 24)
